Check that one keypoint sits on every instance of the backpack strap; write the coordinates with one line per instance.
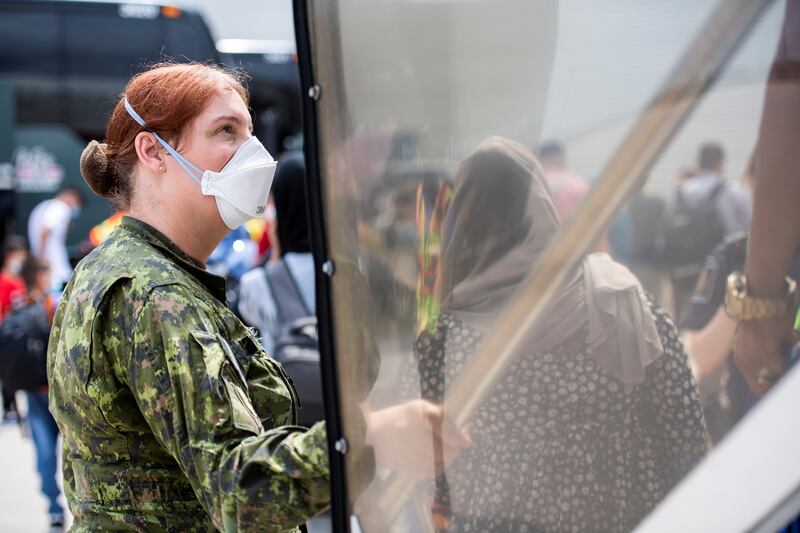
(718, 188)
(285, 293)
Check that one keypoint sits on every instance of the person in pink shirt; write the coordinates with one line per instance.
(568, 188)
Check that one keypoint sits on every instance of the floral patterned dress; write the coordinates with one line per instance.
(559, 445)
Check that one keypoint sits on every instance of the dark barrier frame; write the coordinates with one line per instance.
(319, 247)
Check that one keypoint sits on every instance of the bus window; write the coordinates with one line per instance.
(127, 43)
(185, 38)
(24, 49)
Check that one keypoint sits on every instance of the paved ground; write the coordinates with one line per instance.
(23, 509)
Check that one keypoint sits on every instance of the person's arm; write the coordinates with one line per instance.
(775, 229)
(249, 475)
(711, 346)
(402, 435)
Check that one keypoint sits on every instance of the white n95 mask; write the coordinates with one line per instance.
(242, 186)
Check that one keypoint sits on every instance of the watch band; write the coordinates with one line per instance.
(742, 307)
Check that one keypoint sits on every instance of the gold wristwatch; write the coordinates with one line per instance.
(742, 307)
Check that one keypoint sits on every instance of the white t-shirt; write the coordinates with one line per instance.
(53, 215)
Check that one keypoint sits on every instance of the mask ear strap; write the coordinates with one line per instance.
(190, 169)
(187, 165)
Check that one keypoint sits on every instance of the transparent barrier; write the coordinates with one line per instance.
(533, 208)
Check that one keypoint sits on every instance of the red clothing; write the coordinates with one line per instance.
(11, 287)
(264, 243)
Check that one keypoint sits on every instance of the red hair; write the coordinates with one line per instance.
(168, 97)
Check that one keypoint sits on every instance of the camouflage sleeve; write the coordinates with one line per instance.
(248, 477)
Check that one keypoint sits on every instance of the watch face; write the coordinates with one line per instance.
(737, 285)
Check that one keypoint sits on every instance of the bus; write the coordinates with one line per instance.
(63, 65)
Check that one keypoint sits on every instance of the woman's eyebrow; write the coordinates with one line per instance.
(233, 118)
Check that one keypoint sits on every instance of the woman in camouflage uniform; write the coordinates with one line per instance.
(174, 418)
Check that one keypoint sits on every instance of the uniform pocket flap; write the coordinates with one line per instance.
(222, 367)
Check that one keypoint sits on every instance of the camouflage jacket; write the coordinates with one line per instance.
(174, 418)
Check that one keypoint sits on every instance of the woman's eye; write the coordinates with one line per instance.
(228, 129)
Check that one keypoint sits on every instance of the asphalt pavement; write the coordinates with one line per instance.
(23, 508)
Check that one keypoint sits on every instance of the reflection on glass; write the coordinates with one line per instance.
(598, 416)
(698, 285)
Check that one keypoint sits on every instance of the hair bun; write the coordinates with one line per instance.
(96, 169)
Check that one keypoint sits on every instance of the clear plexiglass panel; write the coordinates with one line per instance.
(533, 208)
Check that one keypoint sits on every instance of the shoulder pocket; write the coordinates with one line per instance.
(222, 367)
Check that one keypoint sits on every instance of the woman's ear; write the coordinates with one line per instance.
(151, 155)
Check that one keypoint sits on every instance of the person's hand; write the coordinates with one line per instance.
(403, 435)
(759, 351)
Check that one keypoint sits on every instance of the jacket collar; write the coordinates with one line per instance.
(213, 283)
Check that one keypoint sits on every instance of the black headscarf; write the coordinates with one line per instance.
(289, 196)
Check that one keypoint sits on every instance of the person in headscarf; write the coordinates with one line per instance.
(257, 304)
(598, 416)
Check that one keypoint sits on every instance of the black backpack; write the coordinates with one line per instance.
(23, 348)
(689, 233)
(297, 347)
